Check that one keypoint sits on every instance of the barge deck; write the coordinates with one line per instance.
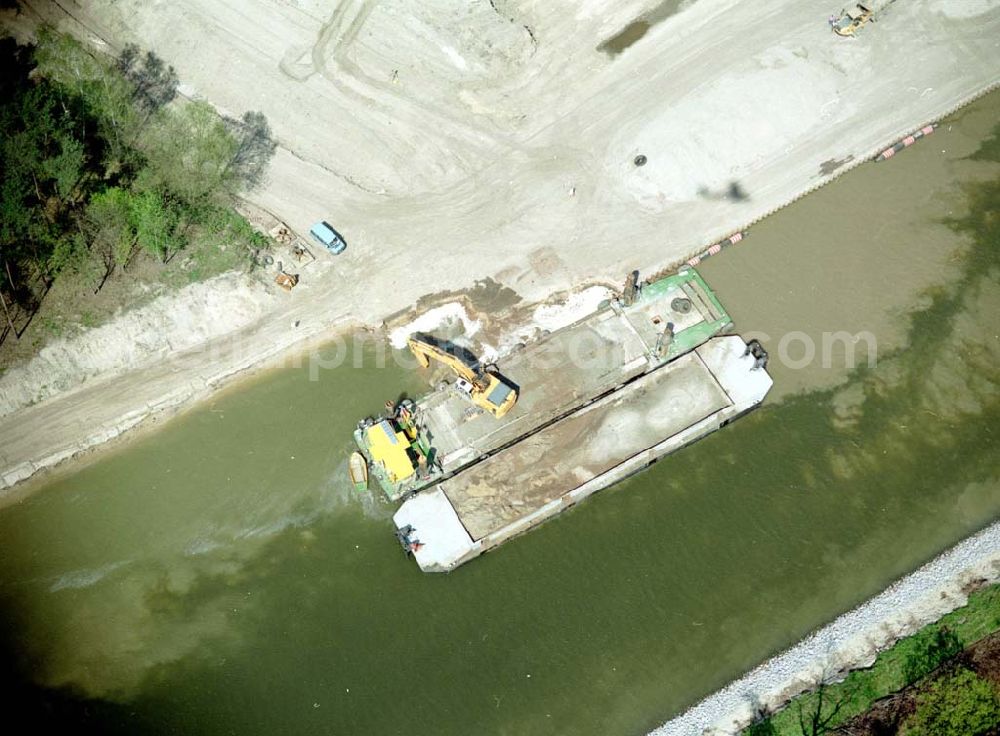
(595, 446)
(566, 370)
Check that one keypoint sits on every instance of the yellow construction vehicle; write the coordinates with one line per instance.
(852, 20)
(485, 387)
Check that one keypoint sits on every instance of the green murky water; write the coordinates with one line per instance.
(219, 576)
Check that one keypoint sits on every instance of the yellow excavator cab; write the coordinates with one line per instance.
(851, 20)
(497, 397)
(485, 388)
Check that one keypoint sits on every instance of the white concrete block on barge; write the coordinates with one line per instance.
(594, 447)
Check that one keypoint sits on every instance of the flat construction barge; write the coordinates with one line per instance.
(561, 372)
(593, 447)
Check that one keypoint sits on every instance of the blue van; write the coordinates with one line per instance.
(328, 238)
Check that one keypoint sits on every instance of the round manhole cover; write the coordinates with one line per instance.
(640, 160)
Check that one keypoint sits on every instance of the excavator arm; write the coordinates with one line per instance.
(426, 348)
(489, 390)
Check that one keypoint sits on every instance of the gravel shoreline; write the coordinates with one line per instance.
(852, 640)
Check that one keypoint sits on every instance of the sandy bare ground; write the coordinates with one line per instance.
(453, 141)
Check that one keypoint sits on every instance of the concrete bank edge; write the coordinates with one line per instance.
(190, 393)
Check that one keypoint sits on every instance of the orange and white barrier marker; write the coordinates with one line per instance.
(715, 249)
(906, 142)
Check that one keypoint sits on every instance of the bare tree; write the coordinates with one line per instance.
(820, 716)
(154, 82)
(761, 724)
(254, 149)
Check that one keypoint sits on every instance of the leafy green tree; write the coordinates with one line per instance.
(930, 650)
(98, 165)
(15, 211)
(763, 727)
(105, 94)
(108, 221)
(62, 59)
(42, 161)
(154, 223)
(70, 254)
(66, 167)
(189, 154)
(961, 704)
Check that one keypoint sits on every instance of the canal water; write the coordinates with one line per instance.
(219, 576)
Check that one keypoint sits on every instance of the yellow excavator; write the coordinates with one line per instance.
(852, 20)
(485, 387)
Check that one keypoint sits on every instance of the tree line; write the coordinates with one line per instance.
(102, 164)
(932, 690)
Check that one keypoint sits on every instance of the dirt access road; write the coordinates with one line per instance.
(453, 141)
